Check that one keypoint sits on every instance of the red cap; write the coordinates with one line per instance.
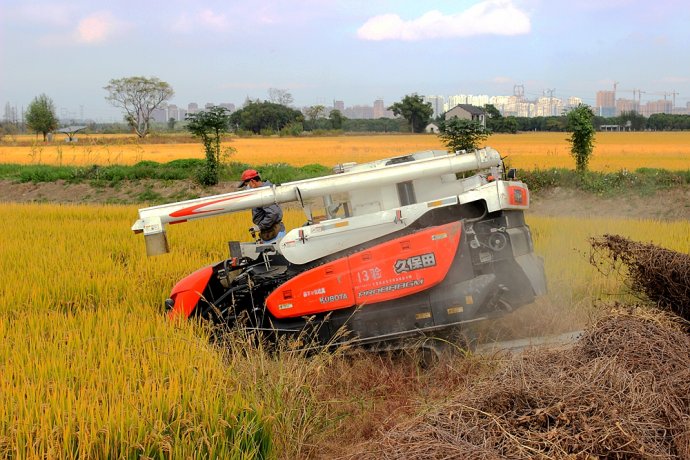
(248, 175)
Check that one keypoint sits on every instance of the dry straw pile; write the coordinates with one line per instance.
(621, 392)
(662, 275)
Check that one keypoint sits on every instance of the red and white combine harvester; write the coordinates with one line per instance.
(412, 246)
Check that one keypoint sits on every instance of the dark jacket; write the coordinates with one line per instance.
(268, 216)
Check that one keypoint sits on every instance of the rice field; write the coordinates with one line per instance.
(90, 367)
(613, 151)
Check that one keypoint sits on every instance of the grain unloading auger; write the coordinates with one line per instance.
(408, 246)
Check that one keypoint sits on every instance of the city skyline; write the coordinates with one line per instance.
(353, 51)
(608, 104)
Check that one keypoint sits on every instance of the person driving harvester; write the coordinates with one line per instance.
(269, 219)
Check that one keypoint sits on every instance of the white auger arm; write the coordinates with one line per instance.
(152, 220)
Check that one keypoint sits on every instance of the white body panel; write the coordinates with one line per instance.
(367, 180)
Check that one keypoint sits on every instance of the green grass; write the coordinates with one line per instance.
(643, 181)
(174, 170)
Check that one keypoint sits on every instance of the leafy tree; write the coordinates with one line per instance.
(556, 124)
(492, 111)
(378, 125)
(315, 113)
(139, 97)
(461, 134)
(497, 123)
(336, 117)
(413, 109)
(634, 120)
(40, 116)
(280, 96)
(265, 116)
(668, 122)
(508, 125)
(131, 123)
(210, 125)
(171, 123)
(582, 135)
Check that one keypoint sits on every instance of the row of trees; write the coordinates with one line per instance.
(460, 134)
(138, 97)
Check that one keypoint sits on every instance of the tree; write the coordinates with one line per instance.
(139, 97)
(415, 111)
(497, 123)
(314, 113)
(461, 134)
(280, 96)
(171, 123)
(265, 116)
(492, 111)
(582, 135)
(40, 116)
(336, 117)
(632, 120)
(210, 125)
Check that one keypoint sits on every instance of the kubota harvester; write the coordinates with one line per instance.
(414, 245)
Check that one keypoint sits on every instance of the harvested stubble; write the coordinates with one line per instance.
(660, 274)
(622, 392)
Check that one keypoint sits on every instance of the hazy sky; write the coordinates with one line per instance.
(355, 50)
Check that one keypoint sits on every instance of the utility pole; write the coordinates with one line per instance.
(519, 91)
(673, 107)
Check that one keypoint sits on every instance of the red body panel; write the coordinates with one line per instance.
(187, 292)
(390, 270)
(324, 288)
(518, 196)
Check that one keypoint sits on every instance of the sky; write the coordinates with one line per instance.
(351, 50)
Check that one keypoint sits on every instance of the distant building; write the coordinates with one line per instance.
(660, 106)
(192, 107)
(467, 112)
(228, 105)
(626, 106)
(606, 103)
(359, 112)
(548, 107)
(160, 115)
(339, 105)
(379, 108)
(173, 113)
(437, 103)
(573, 101)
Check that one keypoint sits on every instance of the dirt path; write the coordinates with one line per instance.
(673, 204)
(665, 205)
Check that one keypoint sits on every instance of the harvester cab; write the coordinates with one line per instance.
(409, 246)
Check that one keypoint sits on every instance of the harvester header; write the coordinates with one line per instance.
(152, 220)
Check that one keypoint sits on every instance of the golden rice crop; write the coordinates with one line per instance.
(613, 151)
(90, 367)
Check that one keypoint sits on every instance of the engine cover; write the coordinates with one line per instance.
(393, 269)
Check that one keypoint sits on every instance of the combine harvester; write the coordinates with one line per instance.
(407, 247)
